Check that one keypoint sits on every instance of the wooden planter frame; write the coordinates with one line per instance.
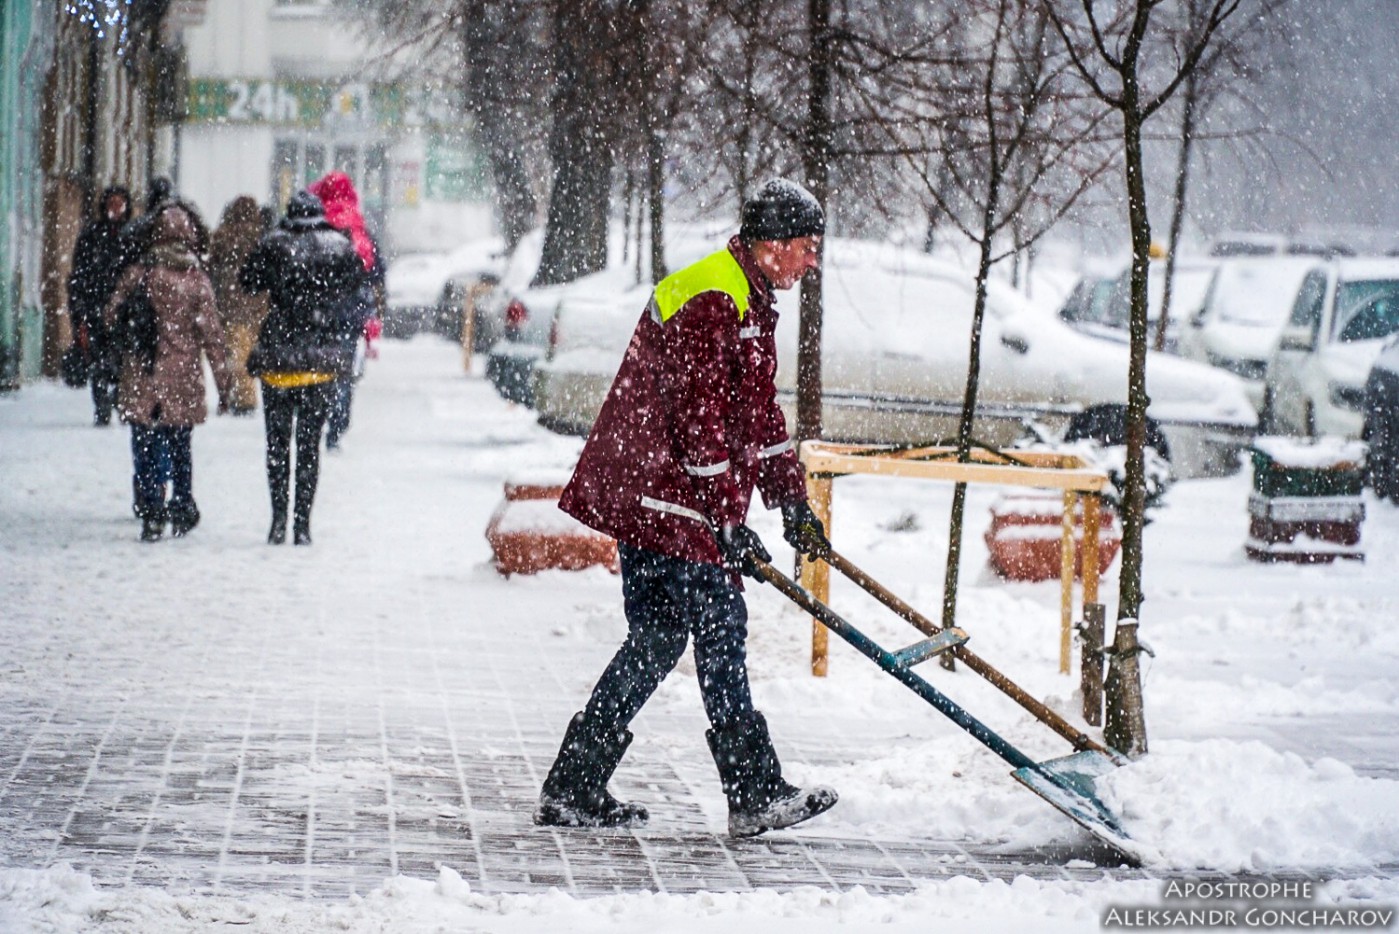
(825, 460)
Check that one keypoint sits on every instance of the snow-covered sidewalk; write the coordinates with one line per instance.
(351, 736)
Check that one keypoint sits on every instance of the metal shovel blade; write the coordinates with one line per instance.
(1067, 784)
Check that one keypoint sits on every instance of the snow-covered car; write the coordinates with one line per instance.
(412, 285)
(426, 291)
(470, 272)
(1101, 304)
(527, 315)
(1343, 313)
(1382, 422)
(894, 364)
(1238, 327)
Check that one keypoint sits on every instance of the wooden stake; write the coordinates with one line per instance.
(816, 575)
(1093, 630)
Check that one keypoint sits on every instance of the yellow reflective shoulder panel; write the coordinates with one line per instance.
(718, 272)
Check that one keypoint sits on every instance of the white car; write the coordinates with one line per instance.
(412, 285)
(1241, 322)
(424, 291)
(1100, 304)
(1342, 315)
(520, 317)
(894, 363)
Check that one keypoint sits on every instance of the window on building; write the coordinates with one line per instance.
(284, 162)
(314, 163)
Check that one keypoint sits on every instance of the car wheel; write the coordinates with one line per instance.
(1383, 461)
(1267, 421)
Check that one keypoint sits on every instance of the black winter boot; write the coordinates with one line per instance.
(152, 522)
(183, 518)
(759, 799)
(575, 793)
(278, 533)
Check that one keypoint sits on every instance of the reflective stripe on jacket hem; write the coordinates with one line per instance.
(750, 332)
(674, 509)
(711, 470)
(776, 449)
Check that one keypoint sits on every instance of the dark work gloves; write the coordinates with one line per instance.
(739, 545)
(804, 531)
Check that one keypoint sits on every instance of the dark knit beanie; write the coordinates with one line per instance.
(781, 210)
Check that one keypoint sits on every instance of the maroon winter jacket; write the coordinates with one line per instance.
(689, 427)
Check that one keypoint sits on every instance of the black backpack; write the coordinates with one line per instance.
(136, 333)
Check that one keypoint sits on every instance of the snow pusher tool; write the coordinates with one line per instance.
(1066, 783)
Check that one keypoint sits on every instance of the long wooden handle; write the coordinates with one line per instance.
(1080, 740)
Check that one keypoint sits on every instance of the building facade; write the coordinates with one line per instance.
(279, 92)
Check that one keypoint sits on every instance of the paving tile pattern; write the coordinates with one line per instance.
(319, 767)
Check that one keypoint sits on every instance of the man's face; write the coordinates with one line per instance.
(115, 207)
(784, 262)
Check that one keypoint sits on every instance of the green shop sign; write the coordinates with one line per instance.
(290, 102)
(454, 170)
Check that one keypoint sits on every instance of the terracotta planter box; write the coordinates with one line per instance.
(529, 533)
(1026, 532)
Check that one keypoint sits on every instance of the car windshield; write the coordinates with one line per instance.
(1367, 309)
(1254, 294)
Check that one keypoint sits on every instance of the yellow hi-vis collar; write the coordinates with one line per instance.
(718, 272)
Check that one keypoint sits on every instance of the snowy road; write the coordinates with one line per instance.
(215, 717)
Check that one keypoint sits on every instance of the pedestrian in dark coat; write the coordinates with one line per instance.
(689, 428)
(162, 391)
(99, 256)
(341, 201)
(311, 273)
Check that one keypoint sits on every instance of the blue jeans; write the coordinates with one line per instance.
(338, 418)
(161, 454)
(668, 600)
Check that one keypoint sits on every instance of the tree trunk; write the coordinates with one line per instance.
(1134, 492)
(966, 422)
(1187, 140)
(816, 161)
(514, 201)
(496, 132)
(654, 122)
(655, 201)
(580, 147)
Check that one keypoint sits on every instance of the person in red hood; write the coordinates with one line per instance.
(341, 201)
(689, 428)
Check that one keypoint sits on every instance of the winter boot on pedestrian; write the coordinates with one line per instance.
(301, 512)
(575, 793)
(278, 533)
(759, 799)
(153, 518)
(183, 518)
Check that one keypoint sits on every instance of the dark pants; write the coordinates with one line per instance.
(300, 412)
(161, 454)
(103, 372)
(338, 421)
(667, 601)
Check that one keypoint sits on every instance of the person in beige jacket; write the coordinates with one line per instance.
(240, 228)
(170, 320)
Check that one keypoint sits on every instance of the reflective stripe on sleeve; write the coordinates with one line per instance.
(674, 509)
(775, 450)
(749, 333)
(709, 470)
